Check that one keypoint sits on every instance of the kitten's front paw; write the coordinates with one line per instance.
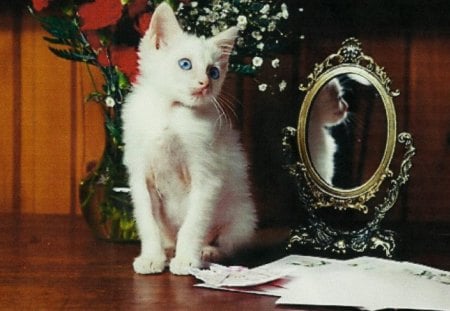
(211, 254)
(181, 265)
(149, 265)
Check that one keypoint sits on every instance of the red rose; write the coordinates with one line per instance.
(124, 57)
(143, 23)
(39, 5)
(99, 14)
(137, 7)
(93, 39)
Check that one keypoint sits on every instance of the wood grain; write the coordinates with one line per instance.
(429, 120)
(7, 112)
(54, 263)
(46, 124)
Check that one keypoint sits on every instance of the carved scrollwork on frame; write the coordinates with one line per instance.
(403, 175)
(350, 53)
(323, 237)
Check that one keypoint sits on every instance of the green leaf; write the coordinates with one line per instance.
(123, 81)
(114, 131)
(56, 41)
(72, 55)
(95, 96)
(61, 28)
(247, 70)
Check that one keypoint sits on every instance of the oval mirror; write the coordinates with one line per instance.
(346, 131)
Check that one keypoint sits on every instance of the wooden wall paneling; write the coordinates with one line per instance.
(46, 125)
(392, 53)
(93, 121)
(430, 124)
(89, 129)
(7, 122)
(265, 115)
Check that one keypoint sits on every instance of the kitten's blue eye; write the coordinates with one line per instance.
(214, 73)
(185, 64)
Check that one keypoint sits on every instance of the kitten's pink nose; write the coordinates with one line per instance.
(203, 83)
(203, 89)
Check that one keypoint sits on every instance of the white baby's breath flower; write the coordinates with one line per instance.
(242, 22)
(284, 11)
(103, 180)
(275, 63)
(110, 102)
(262, 87)
(194, 4)
(260, 46)
(215, 30)
(265, 9)
(257, 35)
(282, 85)
(272, 26)
(257, 61)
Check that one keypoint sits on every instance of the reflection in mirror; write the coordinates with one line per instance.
(346, 131)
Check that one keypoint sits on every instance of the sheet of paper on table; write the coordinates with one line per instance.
(364, 282)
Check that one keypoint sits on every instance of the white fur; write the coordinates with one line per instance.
(328, 109)
(187, 171)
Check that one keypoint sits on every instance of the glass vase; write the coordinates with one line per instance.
(105, 198)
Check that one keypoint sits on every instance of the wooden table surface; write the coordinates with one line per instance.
(54, 263)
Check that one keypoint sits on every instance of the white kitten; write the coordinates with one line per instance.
(328, 109)
(187, 172)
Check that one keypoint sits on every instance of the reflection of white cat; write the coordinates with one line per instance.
(328, 109)
(187, 172)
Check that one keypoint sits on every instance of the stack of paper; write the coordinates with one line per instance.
(364, 282)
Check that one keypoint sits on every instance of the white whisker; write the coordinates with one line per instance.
(220, 112)
(229, 105)
(225, 106)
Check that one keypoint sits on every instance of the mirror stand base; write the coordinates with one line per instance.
(325, 241)
(318, 237)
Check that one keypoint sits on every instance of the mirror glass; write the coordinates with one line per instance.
(346, 131)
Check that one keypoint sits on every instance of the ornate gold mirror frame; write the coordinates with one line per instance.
(316, 193)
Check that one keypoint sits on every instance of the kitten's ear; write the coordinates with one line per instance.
(225, 41)
(163, 26)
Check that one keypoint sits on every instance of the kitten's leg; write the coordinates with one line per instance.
(152, 258)
(211, 254)
(240, 230)
(192, 232)
(235, 234)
